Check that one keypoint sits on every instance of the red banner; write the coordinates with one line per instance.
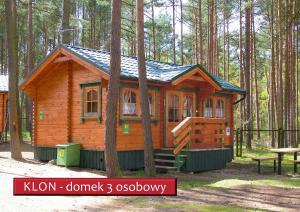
(96, 186)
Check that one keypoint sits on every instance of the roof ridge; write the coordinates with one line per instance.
(134, 57)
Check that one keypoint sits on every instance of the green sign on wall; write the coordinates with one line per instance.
(126, 128)
(41, 115)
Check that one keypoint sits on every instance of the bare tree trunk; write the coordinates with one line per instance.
(211, 37)
(272, 81)
(241, 63)
(200, 33)
(13, 93)
(29, 67)
(224, 40)
(66, 36)
(181, 33)
(279, 69)
(111, 157)
(287, 74)
(248, 74)
(255, 74)
(153, 31)
(196, 38)
(143, 88)
(297, 86)
(174, 35)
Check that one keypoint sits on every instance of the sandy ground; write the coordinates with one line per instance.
(246, 196)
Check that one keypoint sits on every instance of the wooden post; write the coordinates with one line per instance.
(279, 138)
(295, 164)
(237, 141)
(279, 162)
(241, 143)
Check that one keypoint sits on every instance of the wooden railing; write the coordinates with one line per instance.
(182, 134)
(193, 129)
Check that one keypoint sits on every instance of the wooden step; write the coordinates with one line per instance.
(164, 154)
(169, 155)
(166, 167)
(163, 160)
(166, 149)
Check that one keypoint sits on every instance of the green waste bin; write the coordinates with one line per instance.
(68, 154)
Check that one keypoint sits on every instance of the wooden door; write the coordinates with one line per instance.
(179, 105)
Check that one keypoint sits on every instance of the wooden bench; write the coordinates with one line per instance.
(259, 159)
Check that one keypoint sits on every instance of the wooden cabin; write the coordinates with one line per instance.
(191, 110)
(3, 102)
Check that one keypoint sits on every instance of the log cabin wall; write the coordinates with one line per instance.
(88, 132)
(50, 126)
(52, 112)
(134, 139)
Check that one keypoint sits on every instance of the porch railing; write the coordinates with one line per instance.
(199, 129)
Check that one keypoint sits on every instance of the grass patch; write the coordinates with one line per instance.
(284, 183)
(223, 208)
(287, 163)
(178, 205)
(188, 184)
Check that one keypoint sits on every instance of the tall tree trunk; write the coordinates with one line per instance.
(297, 85)
(224, 40)
(143, 88)
(248, 74)
(211, 37)
(66, 35)
(279, 69)
(227, 45)
(255, 74)
(111, 157)
(200, 33)
(173, 29)
(287, 73)
(272, 81)
(241, 63)
(13, 93)
(153, 30)
(29, 66)
(196, 49)
(181, 33)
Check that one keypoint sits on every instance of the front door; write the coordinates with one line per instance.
(179, 105)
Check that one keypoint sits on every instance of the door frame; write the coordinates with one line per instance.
(165, 101)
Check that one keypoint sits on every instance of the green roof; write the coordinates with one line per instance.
(156, 71)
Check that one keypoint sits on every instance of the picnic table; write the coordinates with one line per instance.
(281, 152)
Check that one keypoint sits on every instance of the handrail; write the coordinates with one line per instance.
(177, 129)
(182, 134)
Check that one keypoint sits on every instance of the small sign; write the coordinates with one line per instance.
(61, 153)
(126, 128)
(41, 115)
(228, 131)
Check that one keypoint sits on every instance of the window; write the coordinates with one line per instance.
(187, 106)
(91, 101)
(173, 108)
(208, 108)
(220, 108)
(129, 106)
